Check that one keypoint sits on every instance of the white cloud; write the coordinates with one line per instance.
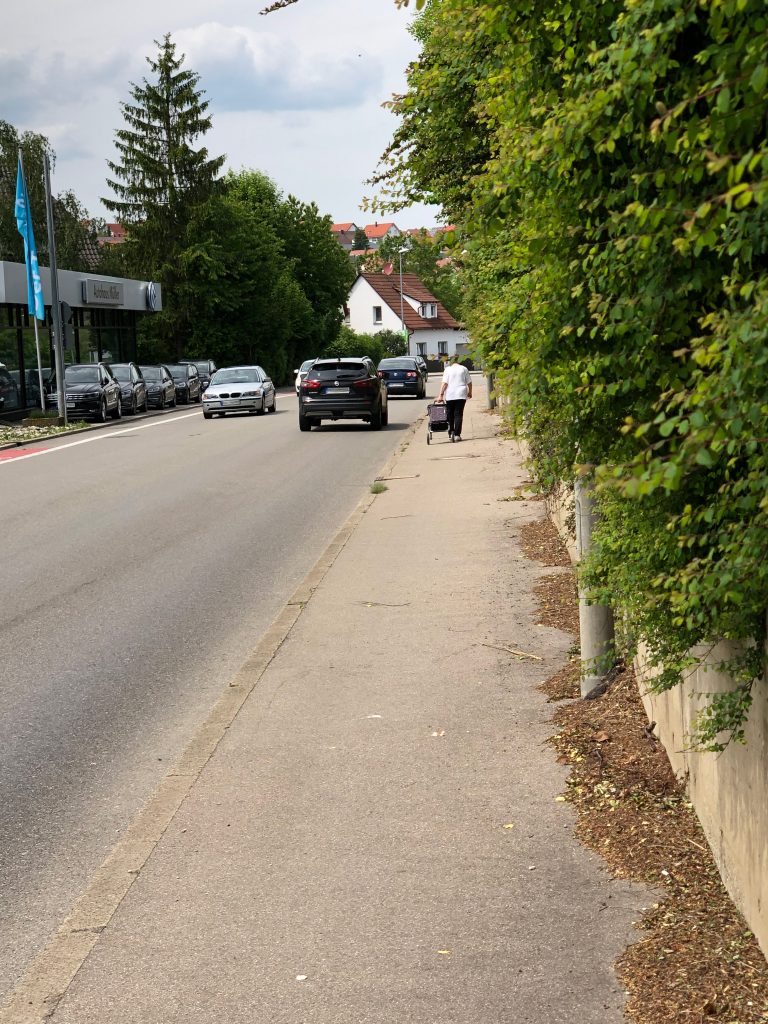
(241, 69)
(297, 94)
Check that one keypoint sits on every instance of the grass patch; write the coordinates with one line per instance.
(29, 434)
(378, 487)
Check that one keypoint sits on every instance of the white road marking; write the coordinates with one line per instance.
(97, 437)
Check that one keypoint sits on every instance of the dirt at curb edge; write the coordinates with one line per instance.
(696, 962)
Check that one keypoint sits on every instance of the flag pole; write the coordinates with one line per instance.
(58, 349)
(34, 314)
(39, 365)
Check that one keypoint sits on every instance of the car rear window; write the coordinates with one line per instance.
(337, 371)
(397, 364)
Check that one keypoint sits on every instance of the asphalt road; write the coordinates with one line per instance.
(140, 565)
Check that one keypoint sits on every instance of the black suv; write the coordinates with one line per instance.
(132, 387)
(91, 390)
(348, 388)
(186, 379)
(205, 367)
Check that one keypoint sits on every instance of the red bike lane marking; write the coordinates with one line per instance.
(14, 453)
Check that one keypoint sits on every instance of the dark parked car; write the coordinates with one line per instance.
(186, 379)
(9, 391)
(132, 387)
(161, 391)
(403, 376)
(341, 389)
(91, 389)
(205, 367)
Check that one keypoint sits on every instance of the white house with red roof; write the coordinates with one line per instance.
(344, 233)
(377, 303)
(376, 233)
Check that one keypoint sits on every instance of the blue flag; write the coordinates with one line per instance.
(24, 224)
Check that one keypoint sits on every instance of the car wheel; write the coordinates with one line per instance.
(385, 415)
(207, 415)
(117, 413)
(305, 423)
(132, 410)
(175, 401)
(101, 416)
(377, 421)
(273, 407)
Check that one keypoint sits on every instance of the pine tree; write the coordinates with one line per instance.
(159, 178)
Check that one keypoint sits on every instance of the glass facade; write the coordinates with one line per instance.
(98, 334)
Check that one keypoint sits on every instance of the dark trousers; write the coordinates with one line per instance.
(455, 410)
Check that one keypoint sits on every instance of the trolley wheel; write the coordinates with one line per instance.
(429, 436)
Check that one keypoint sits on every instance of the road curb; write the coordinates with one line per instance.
(47, 980)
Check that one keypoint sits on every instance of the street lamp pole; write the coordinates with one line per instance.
(402, 319)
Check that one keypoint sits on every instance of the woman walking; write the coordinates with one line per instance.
(456, 389)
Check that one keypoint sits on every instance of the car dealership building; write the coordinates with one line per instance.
(105, 315)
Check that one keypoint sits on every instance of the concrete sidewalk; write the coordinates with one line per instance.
(366, 828)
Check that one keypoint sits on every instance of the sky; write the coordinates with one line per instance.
(296, 94)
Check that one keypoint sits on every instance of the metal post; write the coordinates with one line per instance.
(39, 366)
(491, 392)
(595, 620)
(402, 320)
(58, 331)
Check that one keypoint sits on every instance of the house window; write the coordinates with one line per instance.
(377, 314)
(421, 347)
(428, 310)
(442, 348)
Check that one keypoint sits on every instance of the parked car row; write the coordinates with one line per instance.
(99, 390)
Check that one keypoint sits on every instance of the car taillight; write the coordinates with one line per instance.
(310, 385)
(410, 373)
(369, 384)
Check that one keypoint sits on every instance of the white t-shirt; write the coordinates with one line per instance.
(457, 379)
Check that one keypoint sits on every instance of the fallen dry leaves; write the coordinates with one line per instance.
(698, 962)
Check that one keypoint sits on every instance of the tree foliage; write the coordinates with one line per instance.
(69, 216)
(159, 179)
(606, 167)
(350, 343)
(307, 254)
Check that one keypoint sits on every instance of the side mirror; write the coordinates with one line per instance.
(295, 373)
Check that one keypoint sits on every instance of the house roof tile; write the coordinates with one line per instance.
(387, 287)
(379, 230)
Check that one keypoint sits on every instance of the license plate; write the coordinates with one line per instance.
(337, 391)
(70, 405)
(396, 384)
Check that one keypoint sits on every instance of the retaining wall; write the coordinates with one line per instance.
(730, 790)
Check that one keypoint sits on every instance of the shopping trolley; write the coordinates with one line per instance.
(437, 419)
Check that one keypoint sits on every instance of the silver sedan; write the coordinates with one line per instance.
(239, 389)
